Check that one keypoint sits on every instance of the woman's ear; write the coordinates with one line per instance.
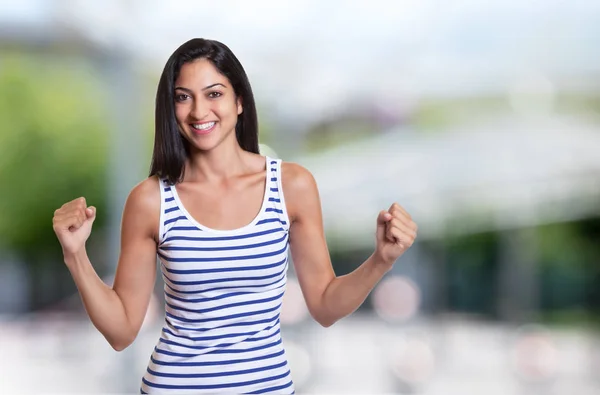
(240, 108)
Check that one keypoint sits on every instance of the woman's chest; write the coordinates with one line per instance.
(224, 208)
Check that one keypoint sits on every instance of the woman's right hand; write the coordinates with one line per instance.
(72, 224)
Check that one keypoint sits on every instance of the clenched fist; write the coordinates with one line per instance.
(72, 224)
(396, 232)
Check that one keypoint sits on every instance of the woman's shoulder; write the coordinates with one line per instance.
(295, 171)
(297, 181)
(146, 194)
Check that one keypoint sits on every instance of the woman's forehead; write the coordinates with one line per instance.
(200, 72)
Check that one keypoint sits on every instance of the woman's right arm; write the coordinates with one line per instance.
(118, 311)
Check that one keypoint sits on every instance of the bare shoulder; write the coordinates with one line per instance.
(146, 194)
(296, 178)
(143, 205)
(299, 188)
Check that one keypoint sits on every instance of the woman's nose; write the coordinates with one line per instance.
(200, 109)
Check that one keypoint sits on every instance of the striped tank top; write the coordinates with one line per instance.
(223, 295)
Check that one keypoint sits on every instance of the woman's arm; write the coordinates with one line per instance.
(118, 311)
(328, 297)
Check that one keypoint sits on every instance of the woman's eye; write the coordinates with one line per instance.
(214, 95)
(181, 97)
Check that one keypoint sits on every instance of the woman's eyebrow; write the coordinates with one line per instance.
(205, 88)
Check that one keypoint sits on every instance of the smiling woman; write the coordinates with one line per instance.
(202, 79)
(213, 211)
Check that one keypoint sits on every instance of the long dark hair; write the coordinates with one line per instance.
(170, 148)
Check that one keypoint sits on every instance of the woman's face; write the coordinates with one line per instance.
(206, 106)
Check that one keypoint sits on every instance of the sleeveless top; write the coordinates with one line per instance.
(223, 294)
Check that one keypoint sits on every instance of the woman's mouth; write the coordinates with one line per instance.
(203, 128)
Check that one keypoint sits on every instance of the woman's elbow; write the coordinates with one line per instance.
(324, 320)
(122, 343)
(119, 346)
(326, 323)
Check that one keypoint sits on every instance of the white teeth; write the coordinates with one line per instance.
(204, 126)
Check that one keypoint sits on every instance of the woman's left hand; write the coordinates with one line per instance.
(396, 232)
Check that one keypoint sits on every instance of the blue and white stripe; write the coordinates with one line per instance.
(223, 294)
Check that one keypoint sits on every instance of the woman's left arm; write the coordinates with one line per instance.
(330, 297)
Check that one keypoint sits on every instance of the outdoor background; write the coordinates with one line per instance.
(481, 118)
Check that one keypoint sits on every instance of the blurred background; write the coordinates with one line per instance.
(481, 118)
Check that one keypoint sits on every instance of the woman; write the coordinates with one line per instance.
(213, 210)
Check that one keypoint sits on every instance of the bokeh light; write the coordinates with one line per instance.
(534, 355)
(413, 362)
(396, 298)
(293, 309)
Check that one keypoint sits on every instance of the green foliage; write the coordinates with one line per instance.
(571, 245)
(334, 133)
(473, 250)
(438, 114)
(585, 106)
(53, 147)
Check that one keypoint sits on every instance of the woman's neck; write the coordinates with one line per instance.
(217, 165)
